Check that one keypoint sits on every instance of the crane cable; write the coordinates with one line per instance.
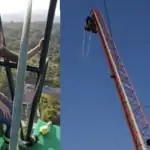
(89, 46)
(86, 53)
(83, 43)
(107, 17)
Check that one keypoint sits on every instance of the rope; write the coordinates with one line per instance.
(83, 43)
(88, 46)
(19, 90)
(107, 16)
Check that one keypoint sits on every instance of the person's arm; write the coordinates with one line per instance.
(37, 48)
(12, 56)
(34, 51)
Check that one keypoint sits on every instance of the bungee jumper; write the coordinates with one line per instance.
(90, 25)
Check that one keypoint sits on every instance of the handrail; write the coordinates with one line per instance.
(19, 89)
(43, 62)
(14, 66)
(48, 30)
(36, 99)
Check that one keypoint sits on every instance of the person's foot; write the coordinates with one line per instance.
(6, 139)
(5, 146)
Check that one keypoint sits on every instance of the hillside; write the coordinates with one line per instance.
(12, 32)
(36, 16)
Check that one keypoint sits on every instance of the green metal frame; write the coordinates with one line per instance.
(50, 141)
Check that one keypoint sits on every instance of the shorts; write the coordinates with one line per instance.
(4, 120)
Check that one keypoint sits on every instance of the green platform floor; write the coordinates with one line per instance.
(51, 141)
(1, 142)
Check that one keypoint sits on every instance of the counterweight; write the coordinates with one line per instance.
(134, 114)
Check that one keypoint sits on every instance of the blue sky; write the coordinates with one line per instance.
(91, 115)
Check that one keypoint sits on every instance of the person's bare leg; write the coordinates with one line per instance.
(11, 56)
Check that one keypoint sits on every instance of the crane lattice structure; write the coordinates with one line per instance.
(133, 111)
(29, 141)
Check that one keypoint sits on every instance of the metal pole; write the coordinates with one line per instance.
(19, 90)
(14, 66)
(48, 29)
(35, 101)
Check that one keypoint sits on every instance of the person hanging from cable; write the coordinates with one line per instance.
(90, 25)
(11, 56)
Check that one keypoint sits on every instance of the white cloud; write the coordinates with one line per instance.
(18, 6)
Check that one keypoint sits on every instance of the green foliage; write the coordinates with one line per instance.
(12, 32)
(49, 108)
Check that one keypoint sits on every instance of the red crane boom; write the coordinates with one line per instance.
(134, 114)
